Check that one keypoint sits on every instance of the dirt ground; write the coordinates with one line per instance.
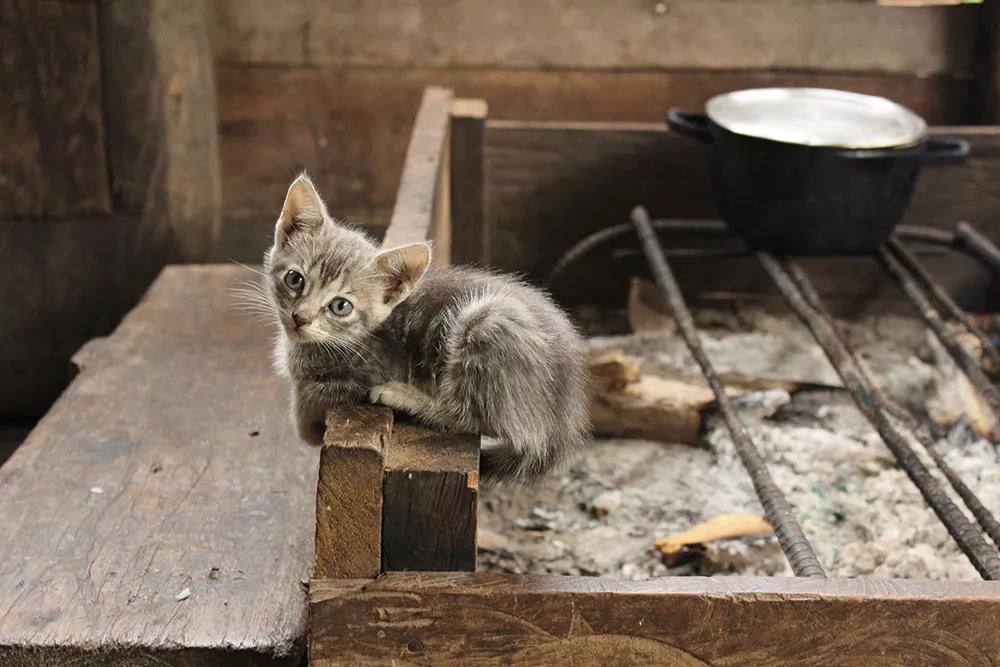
(860, 511)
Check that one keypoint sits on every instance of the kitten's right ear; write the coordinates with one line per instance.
(302, 213)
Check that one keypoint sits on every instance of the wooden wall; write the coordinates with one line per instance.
(334, 87)
(108, 170)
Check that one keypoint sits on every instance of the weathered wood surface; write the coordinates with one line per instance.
(354, 149)
(420, 197)
(551, 184)
(489, 619)
(821, 35)
(51, 123)
(168, 464)
(349, 492)
(468, 203)
(431, 495)
(163, 137)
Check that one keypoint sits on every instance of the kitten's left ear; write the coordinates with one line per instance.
(400, 269)
(302, 212)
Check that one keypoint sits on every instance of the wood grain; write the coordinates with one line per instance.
(51, 121)
(551, 184)
(822, 35)
(350, 127)
(468, 204)
(415, 215)
(168, 464)
(163, 137)
(431, 495)
(489, 619)
(349, 492)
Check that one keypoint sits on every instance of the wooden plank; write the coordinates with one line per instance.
(431, 494)
(486, 618)
(51, 125)
(468, 207)
(163, 146)
(349, 492)
(551, 184)
(168, 465)
(825, 35)
(354, 150)
(417, 200)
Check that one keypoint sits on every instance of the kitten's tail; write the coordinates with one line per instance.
(506, 463)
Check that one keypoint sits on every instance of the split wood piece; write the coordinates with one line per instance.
(492, 618)
(719, 527)
(431, 495)
(349, 492)
(629, 405)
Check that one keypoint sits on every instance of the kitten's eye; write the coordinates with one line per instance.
(295, 280)
(341, 307)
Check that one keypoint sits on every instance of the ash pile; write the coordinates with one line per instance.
(640, 505)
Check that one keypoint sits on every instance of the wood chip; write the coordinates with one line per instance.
(717, 528)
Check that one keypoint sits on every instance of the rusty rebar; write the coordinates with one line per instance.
(984, 517)
(894, 433)
(972, 242)
(963, 360)
(944, 300)
(778, 510)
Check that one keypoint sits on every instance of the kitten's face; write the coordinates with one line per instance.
(330, 284)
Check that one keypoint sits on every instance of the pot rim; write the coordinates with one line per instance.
(817, 117)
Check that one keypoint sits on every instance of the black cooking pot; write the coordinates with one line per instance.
(790, 197)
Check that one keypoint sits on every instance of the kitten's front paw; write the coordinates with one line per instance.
(400, 396)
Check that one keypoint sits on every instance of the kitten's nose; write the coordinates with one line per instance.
(299, 320)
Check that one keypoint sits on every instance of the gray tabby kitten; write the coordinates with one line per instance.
(460, 349)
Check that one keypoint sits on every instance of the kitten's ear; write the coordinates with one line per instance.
(400, 269)
(302, 213)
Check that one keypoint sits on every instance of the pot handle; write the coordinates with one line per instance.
(945, 151)
(941, 150)
(690, 124)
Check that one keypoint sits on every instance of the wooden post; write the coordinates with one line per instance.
(349, 492)
(468, 204)
(394, 497)
(431, 494)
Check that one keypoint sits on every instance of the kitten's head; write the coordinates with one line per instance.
(330, 283)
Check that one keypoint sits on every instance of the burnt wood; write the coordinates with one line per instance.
(51, 121)
(349, 492)
(468, 206)
(431, 495)
(486, 618)
(168, 464)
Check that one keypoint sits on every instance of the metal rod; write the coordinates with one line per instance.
(778, 510)
(965, 362)
(984, 517)
(939, 294)
(967, 238)
(982, 556)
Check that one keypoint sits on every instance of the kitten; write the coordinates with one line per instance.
(460, 349)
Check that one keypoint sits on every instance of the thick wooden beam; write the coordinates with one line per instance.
(487, 618)
(349, 492)
(51, 122)
(430, 499)
(420, 212)
(163, 137)
(468, 204)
